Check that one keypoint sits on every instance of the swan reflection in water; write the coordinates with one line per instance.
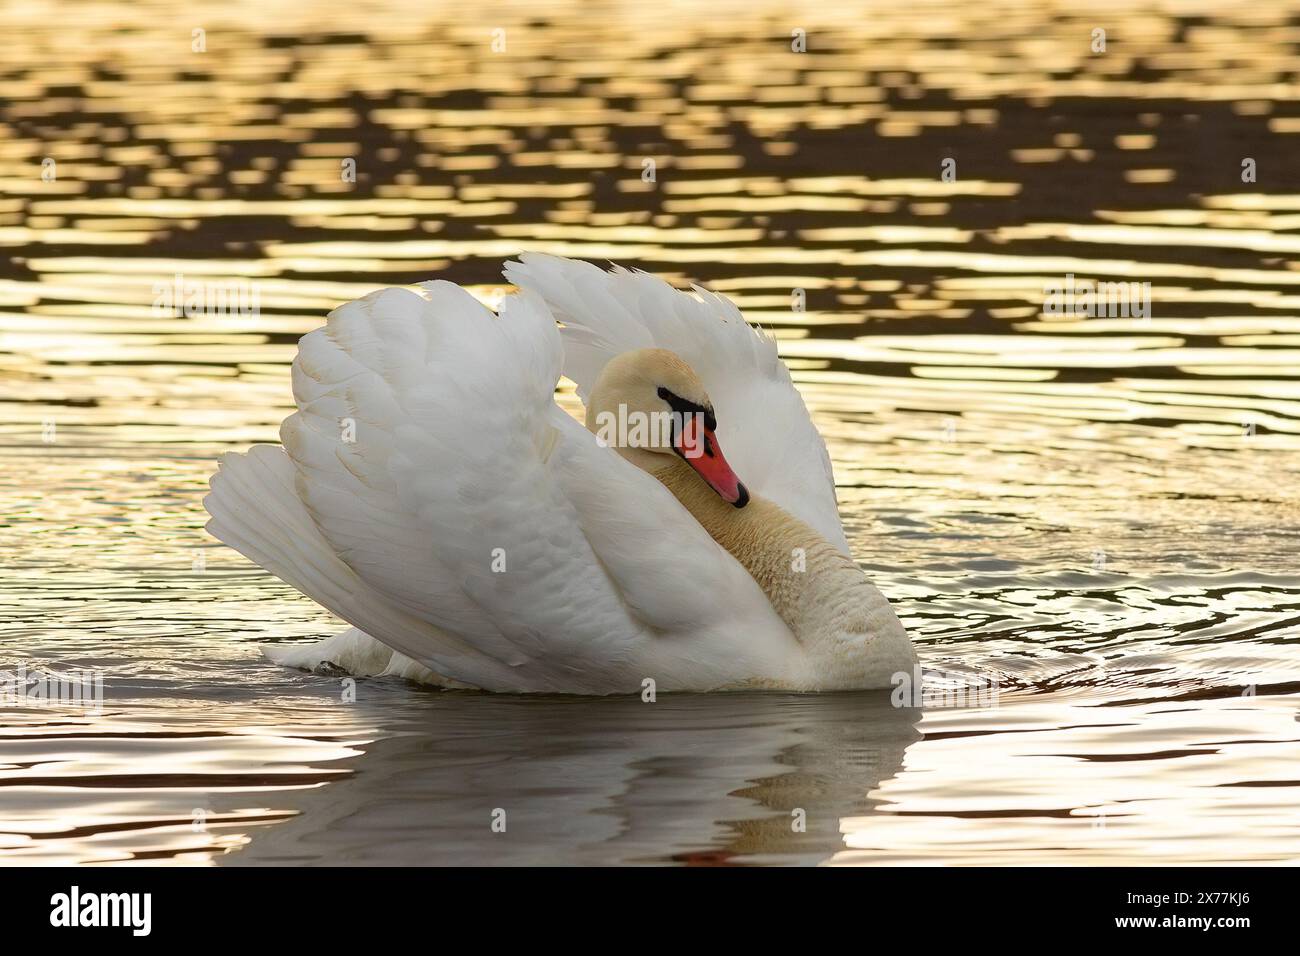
(708, 780)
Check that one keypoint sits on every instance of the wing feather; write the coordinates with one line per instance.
(763, 423)
(431, 493)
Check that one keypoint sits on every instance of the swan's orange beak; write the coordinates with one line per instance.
(699, 448)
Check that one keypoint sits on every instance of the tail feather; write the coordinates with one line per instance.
(256, 511)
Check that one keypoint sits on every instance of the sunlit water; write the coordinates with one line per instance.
(1098, 515)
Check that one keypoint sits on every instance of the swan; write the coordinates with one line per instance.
(431, 493)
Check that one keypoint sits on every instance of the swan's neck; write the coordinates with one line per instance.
(818, 591)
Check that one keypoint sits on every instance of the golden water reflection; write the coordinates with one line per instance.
(1098, 513)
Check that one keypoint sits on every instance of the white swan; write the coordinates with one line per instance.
(431, 493)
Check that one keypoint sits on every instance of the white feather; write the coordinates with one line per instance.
(461, 459)
(762, 421)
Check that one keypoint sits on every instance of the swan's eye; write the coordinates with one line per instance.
(685, 406)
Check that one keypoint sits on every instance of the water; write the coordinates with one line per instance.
(1097, 514)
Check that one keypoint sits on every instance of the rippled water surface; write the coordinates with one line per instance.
(1098, 514)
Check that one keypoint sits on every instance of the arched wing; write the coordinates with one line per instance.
(763, 423)
(441, 481)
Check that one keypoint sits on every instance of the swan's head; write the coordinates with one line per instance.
(650, 402)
